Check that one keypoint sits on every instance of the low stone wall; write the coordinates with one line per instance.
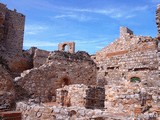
(81, 95)
(72, 95)
(131, 98)
(49, 112)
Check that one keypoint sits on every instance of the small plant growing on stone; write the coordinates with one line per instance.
(135, 79)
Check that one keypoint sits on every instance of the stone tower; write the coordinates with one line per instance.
(158, 19)
(11, 37)
(11, 31)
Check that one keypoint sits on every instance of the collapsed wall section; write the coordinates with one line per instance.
(61, 69)
(7, 90)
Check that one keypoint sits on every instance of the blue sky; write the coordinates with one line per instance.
(92, 24)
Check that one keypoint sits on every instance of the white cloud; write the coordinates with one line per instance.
(35, 29)
(62, 35)
(140, 8)
(155, 1)
(99, 11)
(125, 12)
(39, 43)
(78, 17)
(130, 16)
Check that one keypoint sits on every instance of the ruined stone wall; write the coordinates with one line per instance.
(33, 111)
(70, 47)
(14, 23)
(158, 19)
(40, 57)
(46, 112)
(13, 31)
(158, 36)
(133, 97)
(90, 97)
(72, 95)
(126, 43)
(11, 36)
(62, 69)
(129, 56)
(2, 19)
(7, 91)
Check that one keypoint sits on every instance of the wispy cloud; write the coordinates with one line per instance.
(78, 17)
(140, 8)
(62, 35)
(155, 1)
(34, 29)
(111, 12)
(99, 11)
(39, 43)
(62, 11)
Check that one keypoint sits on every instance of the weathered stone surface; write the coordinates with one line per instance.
(70, 47)
(81, 95)
(158, 19)
(40, 57)
(11, 40)
(131, 98)
(7, 92)
(41, 83)
(129, 56)
(78, 113)
(127, 85)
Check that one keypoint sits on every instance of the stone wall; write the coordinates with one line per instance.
(90, 97)
(31, 111)
(13, 31)
(95, 97)
(40, 57)
(127, 43)
(158, 19)
(7, 90)
(61, 69)
(72, 95)
(70, 47)
(129, 56)
(46, 112)
(11, 35)
(131, 98)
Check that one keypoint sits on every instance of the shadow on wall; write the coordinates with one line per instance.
(65, 81)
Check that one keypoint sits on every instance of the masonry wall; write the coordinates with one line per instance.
(14, 23)
(62, 69)
(44, 112)
(7, 91)
(158, 19)
(13, 30)
(40, 57)
(133, 97)
(127, 57)
(90, 97)
(11, 38)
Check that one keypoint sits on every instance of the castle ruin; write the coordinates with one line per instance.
(121, 82)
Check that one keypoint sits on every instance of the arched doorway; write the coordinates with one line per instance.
(65, 81)
(65, 47)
